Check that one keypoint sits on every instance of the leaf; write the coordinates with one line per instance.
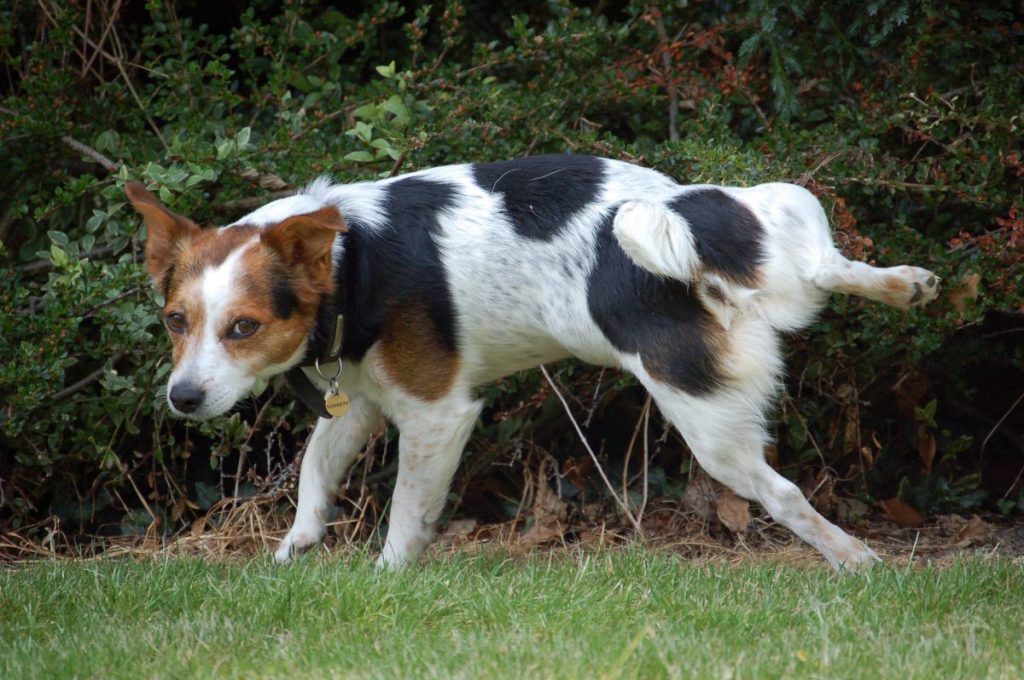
(58, 256)
(387, 71)
(976, 531)
(359, 156)
(926, 447)
(732, 511)
(700, 496)
(396, 106)
(242, 138)
(900, 513)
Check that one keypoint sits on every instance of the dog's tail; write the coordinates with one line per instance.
(657, 240)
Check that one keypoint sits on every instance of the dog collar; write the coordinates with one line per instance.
(308, 393)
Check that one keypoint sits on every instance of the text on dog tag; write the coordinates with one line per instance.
(337, 403)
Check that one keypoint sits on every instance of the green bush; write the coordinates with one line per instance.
(903, 117)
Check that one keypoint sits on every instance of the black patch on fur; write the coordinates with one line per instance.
(383, 269)
(728, 236)
(657, 318)
(542, 192)
(283, 301)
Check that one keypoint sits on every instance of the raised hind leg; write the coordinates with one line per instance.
(903, 286)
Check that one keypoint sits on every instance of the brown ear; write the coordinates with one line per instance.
(168, 233)
(305, 241)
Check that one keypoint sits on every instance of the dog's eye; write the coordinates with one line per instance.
(243, 328)
(175, 322)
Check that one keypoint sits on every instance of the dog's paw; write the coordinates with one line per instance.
(858, 558)
(294, 544)
(921, 287)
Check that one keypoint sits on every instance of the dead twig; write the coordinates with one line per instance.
(666, 62)
(250, 202)
(108, 165)
(620, 501)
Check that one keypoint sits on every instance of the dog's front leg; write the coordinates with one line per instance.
(431, 438)
(331, 450)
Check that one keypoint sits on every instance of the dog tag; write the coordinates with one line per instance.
(337, 403)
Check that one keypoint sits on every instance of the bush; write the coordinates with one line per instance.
(903, 117)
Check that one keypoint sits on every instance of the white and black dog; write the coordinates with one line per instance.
(407, 293)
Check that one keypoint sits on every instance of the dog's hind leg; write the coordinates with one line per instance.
(726, 434)
(431, 438)
(331, 449)
(903, 286)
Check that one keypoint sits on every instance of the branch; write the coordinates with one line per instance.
(108, 165)
(249, 203)
(40, 266)
(84, 382)
(621, 501)
(666, 62)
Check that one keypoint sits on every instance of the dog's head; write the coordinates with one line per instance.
(240, 300)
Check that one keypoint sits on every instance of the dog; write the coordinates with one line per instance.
(401, 296)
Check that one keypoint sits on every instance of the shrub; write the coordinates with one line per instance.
(914, 159)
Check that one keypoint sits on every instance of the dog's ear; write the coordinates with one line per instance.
(168, 233)
(305, 242)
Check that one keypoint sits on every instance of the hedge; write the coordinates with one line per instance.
(903, 117)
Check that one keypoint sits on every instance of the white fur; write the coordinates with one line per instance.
(523, 301)
(657, 239)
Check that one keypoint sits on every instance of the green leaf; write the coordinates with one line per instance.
(58, 256)
(387, 71)
(397, 107)
(359, 156)
(242, 138)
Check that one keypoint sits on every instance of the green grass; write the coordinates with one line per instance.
(612, 614)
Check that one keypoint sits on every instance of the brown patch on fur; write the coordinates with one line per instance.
(207, 248)
(414, 355)
(304, 244)
(168, 233)
(187, 301)
(688, 357)
(894, 284)
(281, 279)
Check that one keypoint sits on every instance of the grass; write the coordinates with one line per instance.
(630, 613)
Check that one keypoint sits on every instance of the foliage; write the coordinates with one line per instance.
(916, 161)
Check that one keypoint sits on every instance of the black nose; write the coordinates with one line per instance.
(186, 397)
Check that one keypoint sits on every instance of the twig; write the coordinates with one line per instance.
(621, 503)
(84, 382)
(666, 62)
(108, 165)
(641, 422)
(807, 176)
(245, 445)
(250, 202)
(397, 164)
(103, 37)
(40, 266)
(110, 301)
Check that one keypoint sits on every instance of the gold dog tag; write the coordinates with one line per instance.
(337, 403)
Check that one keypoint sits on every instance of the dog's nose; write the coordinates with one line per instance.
(186, 397)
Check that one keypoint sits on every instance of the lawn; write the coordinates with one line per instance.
(623, 613)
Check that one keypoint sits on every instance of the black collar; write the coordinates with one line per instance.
(328, 355)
